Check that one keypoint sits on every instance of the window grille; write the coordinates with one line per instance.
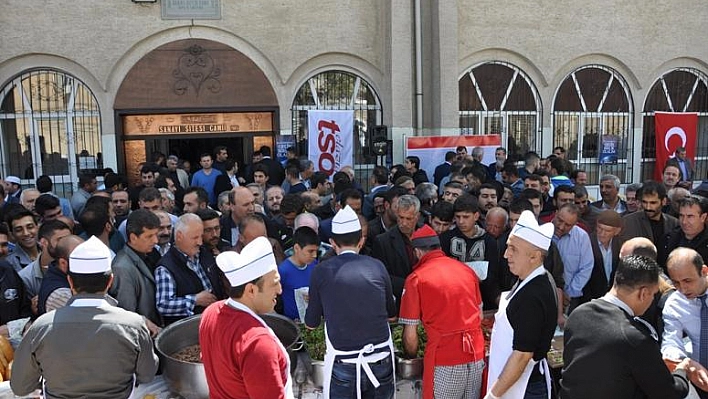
(592, 102)
(50, 124)
(499, 98)
(340, 90)
(679, 90)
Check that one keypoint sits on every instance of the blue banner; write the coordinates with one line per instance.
(608, 149)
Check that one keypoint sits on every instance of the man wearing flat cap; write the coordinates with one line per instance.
(526, 319)
(89, 348)
(354, 295)
(443, 294)
(242, 356)
(606, 246)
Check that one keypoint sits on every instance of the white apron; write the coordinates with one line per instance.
(365, 356)
(289, 381)
(501, 346)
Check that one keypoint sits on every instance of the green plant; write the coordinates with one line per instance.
(314, 341)
(397, 336)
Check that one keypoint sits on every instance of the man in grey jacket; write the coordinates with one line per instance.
(133, 282)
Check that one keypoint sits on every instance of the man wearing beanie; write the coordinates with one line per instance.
(526, 319)
(89, 348)
(353, 294)
(443, 294)
(606, 246)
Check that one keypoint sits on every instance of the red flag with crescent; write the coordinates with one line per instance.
(674, 130)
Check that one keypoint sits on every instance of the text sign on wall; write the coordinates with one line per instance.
(191, 9)
(232, 122)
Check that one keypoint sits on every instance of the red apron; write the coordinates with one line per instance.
(466, 340)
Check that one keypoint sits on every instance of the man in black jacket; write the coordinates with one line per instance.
(412, 165)
(611, 353)
(393, 248)
(692, 233)
(276, 173)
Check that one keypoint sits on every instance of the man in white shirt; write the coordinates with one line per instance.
(682, 311)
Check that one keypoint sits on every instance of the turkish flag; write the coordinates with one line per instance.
(674, 130)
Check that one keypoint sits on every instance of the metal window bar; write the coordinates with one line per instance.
(340, 90)
(47, 117)
(676, 84)
(520, 129)
(581, 131)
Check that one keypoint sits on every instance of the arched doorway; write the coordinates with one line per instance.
(186, 97)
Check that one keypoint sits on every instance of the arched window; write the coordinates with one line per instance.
(680, 90)
(50, 124)
(339, 90)
(499, 98)
(592, 106)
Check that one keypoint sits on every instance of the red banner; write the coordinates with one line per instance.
(674, 130)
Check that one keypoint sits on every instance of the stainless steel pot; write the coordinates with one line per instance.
(187, 379)
(409, 369)
(317, 375)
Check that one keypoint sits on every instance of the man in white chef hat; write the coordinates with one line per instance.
(526, 320)
(89, 333)
(357, 291)
(241, 355)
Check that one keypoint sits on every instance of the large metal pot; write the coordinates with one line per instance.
(189, 379)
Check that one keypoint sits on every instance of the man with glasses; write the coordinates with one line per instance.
(211, 237)
(630, 195)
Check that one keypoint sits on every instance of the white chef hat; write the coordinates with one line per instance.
(345, 221)
(90, 257)
(255, 260)
(528, 230)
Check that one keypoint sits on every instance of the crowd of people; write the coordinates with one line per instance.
(624, 275)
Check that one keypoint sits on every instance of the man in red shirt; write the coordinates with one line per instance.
(241, 355)
(444, 295)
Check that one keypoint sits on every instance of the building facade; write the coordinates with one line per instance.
(86, 85)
